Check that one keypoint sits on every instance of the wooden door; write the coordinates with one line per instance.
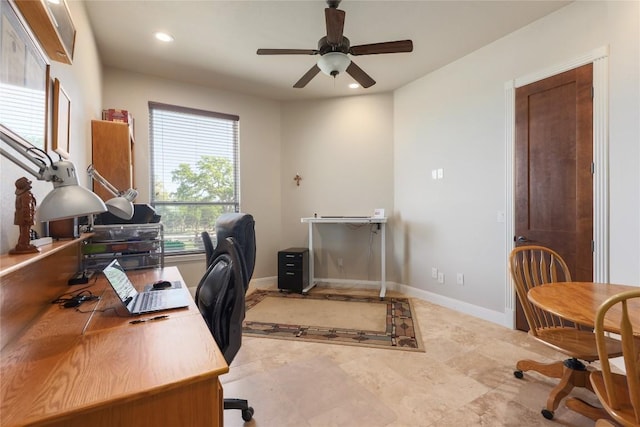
(553, 170)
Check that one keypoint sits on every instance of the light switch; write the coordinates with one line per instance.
(434, 174)
(440, 173)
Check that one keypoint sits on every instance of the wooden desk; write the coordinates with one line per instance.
(579, 302)
(93, 368)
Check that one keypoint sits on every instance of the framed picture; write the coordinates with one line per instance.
(24, 79)
(61, 120)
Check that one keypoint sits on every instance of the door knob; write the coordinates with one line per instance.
(522, 239)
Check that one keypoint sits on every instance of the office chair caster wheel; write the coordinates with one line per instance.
(547, 414)
(247, 414)
(518, 374)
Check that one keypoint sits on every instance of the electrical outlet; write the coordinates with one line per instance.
(440, 277)
(434, 272)
(460, 279)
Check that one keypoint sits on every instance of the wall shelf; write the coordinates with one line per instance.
(11, 263)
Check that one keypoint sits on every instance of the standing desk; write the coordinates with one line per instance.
(348, 220)
(63, 367)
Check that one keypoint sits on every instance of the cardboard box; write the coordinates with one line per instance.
(115, 115)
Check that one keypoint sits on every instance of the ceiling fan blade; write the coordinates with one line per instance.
(385, 47)
(335, 25)
(307, 77)
(287, 52)
(360, 76)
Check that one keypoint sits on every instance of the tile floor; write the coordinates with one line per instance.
(465, 378)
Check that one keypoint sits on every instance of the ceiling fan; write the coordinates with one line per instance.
(334, 48)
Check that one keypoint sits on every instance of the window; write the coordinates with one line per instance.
(194, 172)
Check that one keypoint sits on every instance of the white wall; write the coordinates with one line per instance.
(343, 149)
(454, 119)
(82, 82)
(259, 151)
(624, 116)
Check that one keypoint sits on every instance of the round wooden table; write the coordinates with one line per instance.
(579, 302)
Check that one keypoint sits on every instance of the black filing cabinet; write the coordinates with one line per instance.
(293, 269)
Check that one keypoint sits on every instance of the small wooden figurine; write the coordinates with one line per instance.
(24, 216)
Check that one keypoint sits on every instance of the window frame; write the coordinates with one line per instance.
(234, 206)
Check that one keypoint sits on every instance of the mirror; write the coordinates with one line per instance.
(24, 79)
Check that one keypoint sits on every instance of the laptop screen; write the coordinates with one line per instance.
(118, 279)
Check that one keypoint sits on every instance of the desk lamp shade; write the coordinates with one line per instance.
(68, 199)
(120, 207)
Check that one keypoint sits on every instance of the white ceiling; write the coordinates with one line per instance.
(216, 41)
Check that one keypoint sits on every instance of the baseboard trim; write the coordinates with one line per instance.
(264, 282)
(457, 305)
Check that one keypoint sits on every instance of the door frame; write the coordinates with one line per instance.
(600, 59)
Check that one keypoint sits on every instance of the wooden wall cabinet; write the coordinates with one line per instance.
(52, 25)
(112, 155)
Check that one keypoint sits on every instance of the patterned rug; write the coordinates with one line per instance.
(397, 330)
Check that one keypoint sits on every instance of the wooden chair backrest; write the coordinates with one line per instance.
(533, 266)
(630, 351)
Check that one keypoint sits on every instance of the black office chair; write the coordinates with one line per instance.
(220, 297)
(208, 247)
(241, 227)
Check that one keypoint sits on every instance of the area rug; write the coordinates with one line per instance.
(333, 318)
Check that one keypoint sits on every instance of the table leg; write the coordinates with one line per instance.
(383, 267)
(312, 281)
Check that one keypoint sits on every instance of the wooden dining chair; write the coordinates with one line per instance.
(619, 393)
(533, 266)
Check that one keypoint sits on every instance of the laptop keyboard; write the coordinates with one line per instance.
(151, 300)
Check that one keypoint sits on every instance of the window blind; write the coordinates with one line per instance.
(194, 170)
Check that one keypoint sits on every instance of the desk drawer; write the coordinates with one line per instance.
(292, 259)
(294, 281)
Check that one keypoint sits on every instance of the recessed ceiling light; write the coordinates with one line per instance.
(354, 85)
(164, 37)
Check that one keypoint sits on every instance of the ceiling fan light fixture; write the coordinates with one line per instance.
(333, 63)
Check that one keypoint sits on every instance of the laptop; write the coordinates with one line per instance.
(142, 302)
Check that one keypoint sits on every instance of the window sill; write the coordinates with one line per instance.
(174, 258)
